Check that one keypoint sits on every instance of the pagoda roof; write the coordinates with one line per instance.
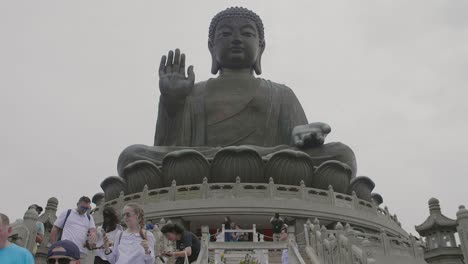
(436, 220)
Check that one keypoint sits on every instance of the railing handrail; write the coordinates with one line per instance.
(247, 245)
(269, 190)
(239, 230)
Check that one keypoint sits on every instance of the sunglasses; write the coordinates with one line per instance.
(59, 260)
(127, 215)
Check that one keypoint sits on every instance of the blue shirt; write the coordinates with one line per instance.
(14, 254)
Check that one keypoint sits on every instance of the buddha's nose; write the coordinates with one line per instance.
(236, 41)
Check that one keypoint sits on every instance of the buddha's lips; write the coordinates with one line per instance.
(237, 50)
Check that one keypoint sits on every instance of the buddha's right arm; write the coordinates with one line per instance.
(169, 123)
(172, 105)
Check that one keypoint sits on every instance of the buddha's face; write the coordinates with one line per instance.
(236, 43)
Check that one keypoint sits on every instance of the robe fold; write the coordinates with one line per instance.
(276, 107)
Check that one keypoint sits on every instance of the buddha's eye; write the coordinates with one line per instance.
(225, 34)
(248, 34)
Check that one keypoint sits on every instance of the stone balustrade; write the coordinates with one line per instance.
(355, 245)
(259, 191)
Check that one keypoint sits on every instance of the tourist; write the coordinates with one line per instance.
(276, 223)
(39, 227)
(9, 252)
(238, 236)
(135, 245)
(284, 237)
(187, 244)
(76, 225)
(109, 227)
(64, 252)
(227, 225)
(149, 225)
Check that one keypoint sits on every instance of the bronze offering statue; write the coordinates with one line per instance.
(235, 124)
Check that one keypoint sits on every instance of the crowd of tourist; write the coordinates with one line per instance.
(74, 234)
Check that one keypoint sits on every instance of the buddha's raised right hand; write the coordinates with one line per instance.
(172, 79)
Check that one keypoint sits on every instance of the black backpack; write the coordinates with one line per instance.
(65, 221)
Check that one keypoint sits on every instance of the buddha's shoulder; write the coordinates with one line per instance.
(282, 88)
(200, 87)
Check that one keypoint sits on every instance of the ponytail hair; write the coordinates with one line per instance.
(138, 210)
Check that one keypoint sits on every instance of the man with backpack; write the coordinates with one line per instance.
(76, 225)
(276, 225)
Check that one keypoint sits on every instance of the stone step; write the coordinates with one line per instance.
(274, 257)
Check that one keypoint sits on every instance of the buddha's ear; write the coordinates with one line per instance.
(258, 62)
(214, 63)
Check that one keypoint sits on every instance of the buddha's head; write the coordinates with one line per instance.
(236, 40)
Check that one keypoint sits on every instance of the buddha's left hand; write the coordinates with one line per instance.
(310, 135)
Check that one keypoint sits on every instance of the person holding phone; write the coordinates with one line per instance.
(76, 225)
(135, 245)
(109, 227)
(187, 244)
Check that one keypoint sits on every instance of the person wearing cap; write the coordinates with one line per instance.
(39, 227)
(11, 253)
(63, 252)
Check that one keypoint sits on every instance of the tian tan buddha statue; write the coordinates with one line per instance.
(233, 125)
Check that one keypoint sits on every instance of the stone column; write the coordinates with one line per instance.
(300, 232)
(47, 218)
(462, 228)
(30, 219)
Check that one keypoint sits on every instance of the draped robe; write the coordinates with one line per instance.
(264, 115)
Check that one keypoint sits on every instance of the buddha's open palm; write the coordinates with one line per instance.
(172, 79)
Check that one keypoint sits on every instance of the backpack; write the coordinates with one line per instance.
(65, 221)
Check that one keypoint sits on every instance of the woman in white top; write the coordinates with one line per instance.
(284, 237)
(135, 245)
(111, 228)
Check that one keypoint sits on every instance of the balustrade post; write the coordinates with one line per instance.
(387, 212)
(462, 229)
(303, 191)
(355, 202)
(271, 188)
(331, 195)
(205, 240)
(120, 201)
(223, 233)
(30, 219)
(307, 232)
(47, 218)
(204, 188)
(365, 251)
(292, 233)
(172, 191)
(385, 242)
(237, 187)
(255, 235)
(144, 195)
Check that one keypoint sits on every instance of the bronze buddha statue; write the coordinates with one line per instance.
(234, 111)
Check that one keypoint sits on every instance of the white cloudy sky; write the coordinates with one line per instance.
(79, 84)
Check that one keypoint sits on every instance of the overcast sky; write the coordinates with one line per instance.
(79, 84)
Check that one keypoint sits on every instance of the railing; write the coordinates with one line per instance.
(269, 190)
(260, 248)
(220, 239)
(354, 245)
(24, 232)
